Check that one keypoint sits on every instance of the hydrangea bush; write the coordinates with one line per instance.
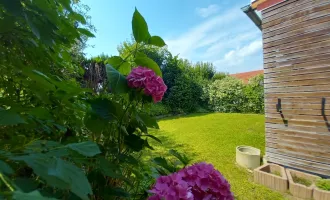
(199, 181)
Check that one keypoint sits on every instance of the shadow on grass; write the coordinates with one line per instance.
(162, 149)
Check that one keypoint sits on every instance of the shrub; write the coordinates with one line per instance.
(158, 109)
(227, 95)
(254, 95)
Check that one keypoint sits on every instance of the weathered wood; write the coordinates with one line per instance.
(322, 81)
(301, 54)
(291, 9)
(299, 66)
(293, 40)
(302, 48)
(300, 42)
(297, 89)
(296, 18)
(297, 117)
(297, 78)
(295, 72)
(296, 35)
(297, 61)
(298, 28)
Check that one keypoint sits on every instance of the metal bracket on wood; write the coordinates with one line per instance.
(279, 105)
(323, 106)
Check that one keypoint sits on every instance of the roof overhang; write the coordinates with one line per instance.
(263, 4)
(252, 14)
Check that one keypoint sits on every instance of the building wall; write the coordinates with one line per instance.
(296, 36)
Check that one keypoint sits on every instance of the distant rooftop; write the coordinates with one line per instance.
(245, 76)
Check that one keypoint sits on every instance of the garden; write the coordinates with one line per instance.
(86, 128)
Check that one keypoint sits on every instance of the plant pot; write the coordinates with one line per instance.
(248, 157)
(267, 175)
(299, 190)
(319, 194)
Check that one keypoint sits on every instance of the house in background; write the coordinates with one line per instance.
(296, 51)
(245, 76)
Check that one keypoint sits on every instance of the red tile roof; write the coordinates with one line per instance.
(245, 76)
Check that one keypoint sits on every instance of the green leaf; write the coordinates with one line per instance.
(106, 109)
(88, 148)
(8, 118)
(78, 17)
(183, 158)
(117, 192)
(71, 174)
(35, 195)
(32, 25)
(153, 137)
(86, 32)
(108, 168)
(95, 123)
(134, 142)
(140, 27)
(142, 60)
(125, 68)
(25, 184)
(13, 6)
(5, 168)
(115, 61)
(147, 120)
(117, 82)
(7, 24)
(156, 41)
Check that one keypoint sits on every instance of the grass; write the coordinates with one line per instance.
(213, 138)
(301, 180)
(323, 184)
(276, 173)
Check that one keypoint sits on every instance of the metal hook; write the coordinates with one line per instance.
(323, 106)
(279, 105)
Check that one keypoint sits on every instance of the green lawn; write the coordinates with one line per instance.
(213, 138)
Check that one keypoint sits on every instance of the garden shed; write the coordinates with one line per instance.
(296, 49)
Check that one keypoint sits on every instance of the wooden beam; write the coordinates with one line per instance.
(263, 4)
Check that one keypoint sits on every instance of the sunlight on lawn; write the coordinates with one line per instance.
(213, 138)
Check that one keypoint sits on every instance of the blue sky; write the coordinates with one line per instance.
(214, 31)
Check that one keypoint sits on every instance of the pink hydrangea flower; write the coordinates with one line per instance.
(200, 182)
(146, 79)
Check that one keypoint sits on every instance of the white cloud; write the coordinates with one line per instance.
(239, 55)
(229, 40)
(208, 11)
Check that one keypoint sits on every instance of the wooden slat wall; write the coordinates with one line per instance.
(296, 36)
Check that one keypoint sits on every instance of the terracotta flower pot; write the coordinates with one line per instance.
(320, 194)
(299, 190)
(272, 176)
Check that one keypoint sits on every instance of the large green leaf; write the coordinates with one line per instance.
(156, 41)
(106, 109)
(134, 142)
(183, 158)
(95, 123)
(117, 82)
(35, 195)
(86, 32)
(147, 120)
(125, 68)
(7, 24)
(142, 60)
(72, 175)
(8, 117)
(5, 168)
(25, 184)
(140, 27)
(115, 61)
(88, 148)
